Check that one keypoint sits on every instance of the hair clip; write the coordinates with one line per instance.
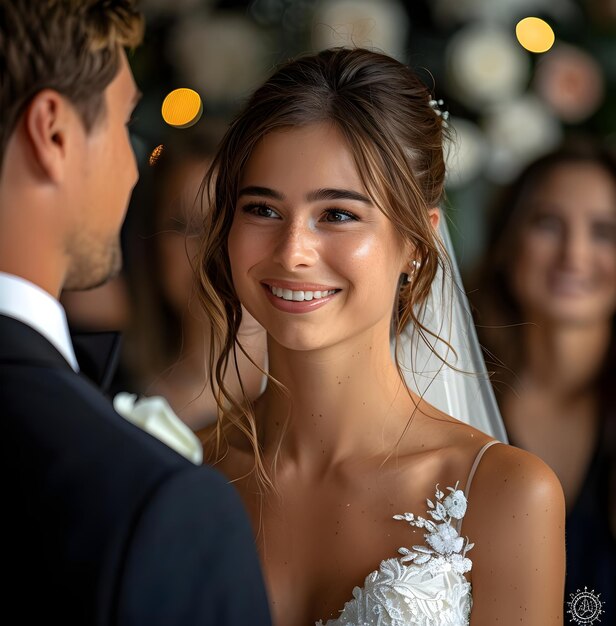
(436, 107)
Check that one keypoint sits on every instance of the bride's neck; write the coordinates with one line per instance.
(343, 401)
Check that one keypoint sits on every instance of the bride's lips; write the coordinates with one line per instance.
(294, 306)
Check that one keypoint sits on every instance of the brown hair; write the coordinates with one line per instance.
(383, 110)
(70, 46)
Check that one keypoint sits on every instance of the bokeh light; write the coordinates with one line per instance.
(571, 82)
(155, 155)
(182, 108)
(486, 66)
(534, 34)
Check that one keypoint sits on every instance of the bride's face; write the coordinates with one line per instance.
(312, 258)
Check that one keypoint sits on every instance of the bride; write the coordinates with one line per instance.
(324, 227)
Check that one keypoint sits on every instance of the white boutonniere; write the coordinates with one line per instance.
(156, 417)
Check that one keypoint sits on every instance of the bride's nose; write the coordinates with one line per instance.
(296, 246)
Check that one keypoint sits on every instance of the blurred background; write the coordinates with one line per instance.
(528, 91)
(513, 89)
(507, 104)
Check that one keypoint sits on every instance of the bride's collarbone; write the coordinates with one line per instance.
(358, 495)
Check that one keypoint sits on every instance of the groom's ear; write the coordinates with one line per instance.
(47, 124)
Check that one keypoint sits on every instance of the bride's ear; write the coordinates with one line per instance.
(435, 217)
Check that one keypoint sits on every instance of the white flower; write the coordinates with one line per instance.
(455, 504)
(486, 65)
(445, 540)
(156, 417)
(460, 563)
(519, 131)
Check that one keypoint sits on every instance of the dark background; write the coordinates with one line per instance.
(225, 49)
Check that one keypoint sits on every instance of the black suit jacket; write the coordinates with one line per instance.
(103, 524)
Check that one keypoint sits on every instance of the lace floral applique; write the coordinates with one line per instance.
(447, 550)
(426, 585)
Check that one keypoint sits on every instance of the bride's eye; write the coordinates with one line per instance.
(260, 209)
(339, 215)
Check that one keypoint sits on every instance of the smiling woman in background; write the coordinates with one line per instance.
(546, 304)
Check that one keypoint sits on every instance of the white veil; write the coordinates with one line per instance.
(458, 382)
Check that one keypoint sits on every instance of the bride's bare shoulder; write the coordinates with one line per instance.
(514, 493)
(516, 519)
(506, 474)
(515, 474)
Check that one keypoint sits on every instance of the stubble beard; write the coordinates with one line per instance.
(93, 264)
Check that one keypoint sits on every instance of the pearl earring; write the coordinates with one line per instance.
(415, 264)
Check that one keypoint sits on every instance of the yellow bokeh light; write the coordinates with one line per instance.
(534, 34)
(182, 108)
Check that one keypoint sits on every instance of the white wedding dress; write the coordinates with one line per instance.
(426, 585)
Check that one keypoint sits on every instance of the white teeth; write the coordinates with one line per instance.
(300, 296)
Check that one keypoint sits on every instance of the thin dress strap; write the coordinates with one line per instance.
(467, 488)
(471, 474)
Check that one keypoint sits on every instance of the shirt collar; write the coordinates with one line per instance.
(28, 303)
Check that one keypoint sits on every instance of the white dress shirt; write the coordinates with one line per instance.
(24, 301)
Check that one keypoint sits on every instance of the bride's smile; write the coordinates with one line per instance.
(298, 297)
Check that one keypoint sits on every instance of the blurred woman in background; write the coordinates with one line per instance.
(546, 304)
(166, 343)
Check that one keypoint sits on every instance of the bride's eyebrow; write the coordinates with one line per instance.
(337, 194)
(262, 192)
(311, 196)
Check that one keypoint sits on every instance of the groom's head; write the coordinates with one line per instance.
(66, 163)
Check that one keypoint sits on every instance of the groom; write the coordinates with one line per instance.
(101, 524)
